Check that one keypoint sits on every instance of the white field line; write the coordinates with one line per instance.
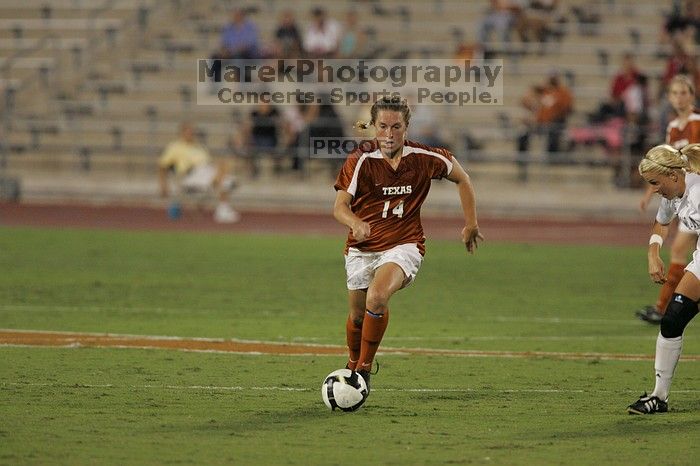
(518, 337)
(491, 318)
(312, 341)
(239, 388)
(72, 340)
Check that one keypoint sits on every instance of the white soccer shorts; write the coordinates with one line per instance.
(360, 266)
(694, 266)
(685, 229)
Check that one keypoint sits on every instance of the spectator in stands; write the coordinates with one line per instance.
(682, 61)
(288, 42)
(195, 172)
(628, 99)
(322, 37)
(556, 104)
(529, 104)
(626, 77)
(294, 126)
(324, 122)
(469, 51)
(240, 37)
(353, 39)
(499, 18)
(537, 20)
(550, 106)
(261, 136)
(620, 123)
(239, 40)
(635, 100)
(683, 23)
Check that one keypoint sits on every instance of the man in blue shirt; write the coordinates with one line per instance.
(239, 38)
(239, 41)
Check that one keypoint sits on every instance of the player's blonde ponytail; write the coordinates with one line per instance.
(690, 154)
(363, 125)
(664, 159)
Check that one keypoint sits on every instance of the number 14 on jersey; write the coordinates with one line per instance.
(398, 210)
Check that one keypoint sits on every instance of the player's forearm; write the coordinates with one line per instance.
(659, 233)
(344, 215)
(467, 198)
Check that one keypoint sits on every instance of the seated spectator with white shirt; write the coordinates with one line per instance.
(195, 172)
(322, 37)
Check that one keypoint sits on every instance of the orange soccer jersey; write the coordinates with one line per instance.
(690, 133)
(390, 200)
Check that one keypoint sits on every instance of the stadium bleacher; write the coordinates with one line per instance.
(102, 85)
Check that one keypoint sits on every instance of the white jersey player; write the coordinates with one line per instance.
(672, 173)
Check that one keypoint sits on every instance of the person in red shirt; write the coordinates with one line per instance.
(379, 193)
(627, 77)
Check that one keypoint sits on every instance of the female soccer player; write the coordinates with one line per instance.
(683, 130)
(673, 174)
(380, 190)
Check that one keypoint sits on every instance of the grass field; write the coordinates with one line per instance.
(155, 406)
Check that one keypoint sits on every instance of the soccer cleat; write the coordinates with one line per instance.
(649, 314)
(648, 405)
(365, 375)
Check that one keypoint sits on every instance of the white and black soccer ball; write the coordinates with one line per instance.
(344, 389)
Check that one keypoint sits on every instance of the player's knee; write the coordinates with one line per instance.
(377, 300)
(679, 313)
(357, 314)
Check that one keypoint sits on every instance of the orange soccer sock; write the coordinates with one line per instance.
(353, 334)
(373, 329)
(675, 273)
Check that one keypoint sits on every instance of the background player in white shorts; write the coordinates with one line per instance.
(673, 174)
(380, 190)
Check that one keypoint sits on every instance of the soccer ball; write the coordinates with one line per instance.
(344, 389)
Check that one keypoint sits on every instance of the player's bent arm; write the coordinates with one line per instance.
(466, 193)
(344, 214)
(470, 233)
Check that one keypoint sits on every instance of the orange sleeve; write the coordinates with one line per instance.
(342, 182)
(695, 133)
(438, 168)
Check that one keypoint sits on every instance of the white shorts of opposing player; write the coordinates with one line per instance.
(360, 266)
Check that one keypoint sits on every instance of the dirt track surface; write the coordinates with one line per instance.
(534, 230)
